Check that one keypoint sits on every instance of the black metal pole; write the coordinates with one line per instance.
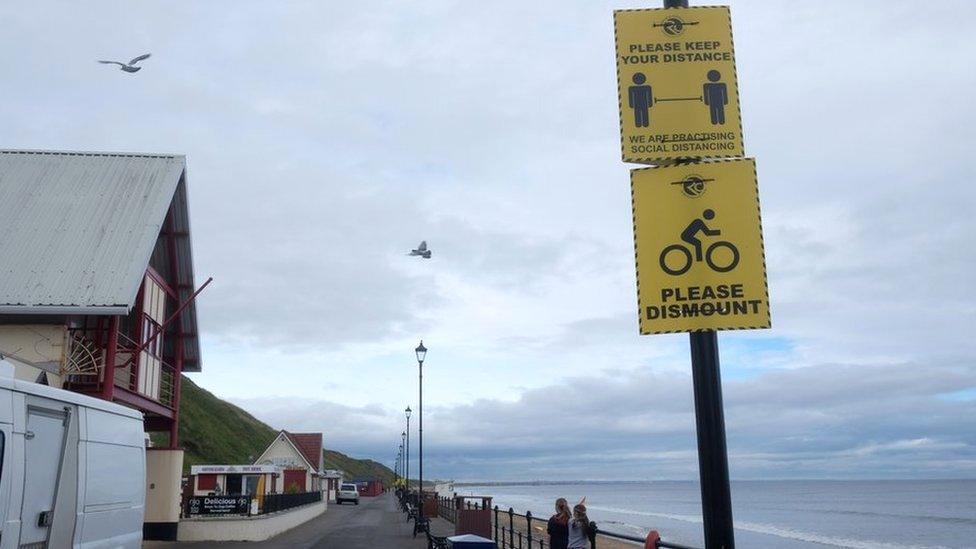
(713, 460)
(408, 455)
(420, 432)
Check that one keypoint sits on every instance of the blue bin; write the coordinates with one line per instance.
(470, 541)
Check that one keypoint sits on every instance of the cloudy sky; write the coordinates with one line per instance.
(324, 140)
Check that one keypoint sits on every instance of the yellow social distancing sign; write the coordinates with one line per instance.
(699, 247)
(678, 92)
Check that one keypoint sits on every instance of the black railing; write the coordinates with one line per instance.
(509, 535)
(239, 505)
(279, 502)
(512, 536)
(446, 510)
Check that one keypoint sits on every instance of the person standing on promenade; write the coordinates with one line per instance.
(581, 531)
(558, 527)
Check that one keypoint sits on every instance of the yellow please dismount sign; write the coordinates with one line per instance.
(699, 247)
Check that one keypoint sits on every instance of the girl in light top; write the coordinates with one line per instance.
(581, 530)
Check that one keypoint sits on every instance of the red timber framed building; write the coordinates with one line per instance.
(97, 291)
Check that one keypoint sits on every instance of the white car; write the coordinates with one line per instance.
(347, 492)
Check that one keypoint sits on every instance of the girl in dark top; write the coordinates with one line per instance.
(558, 527)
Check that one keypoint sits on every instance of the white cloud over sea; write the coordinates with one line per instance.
(326, 139)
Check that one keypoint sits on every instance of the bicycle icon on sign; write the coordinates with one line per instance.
(721, 256)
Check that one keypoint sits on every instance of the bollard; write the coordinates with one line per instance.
(528, 526)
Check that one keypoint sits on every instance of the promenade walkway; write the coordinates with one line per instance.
(375, 523)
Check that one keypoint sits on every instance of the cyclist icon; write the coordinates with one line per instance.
(681, 255)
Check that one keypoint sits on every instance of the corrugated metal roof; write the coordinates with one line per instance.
(77, 229)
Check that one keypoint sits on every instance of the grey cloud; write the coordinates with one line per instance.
(325, 139)
(834, 420)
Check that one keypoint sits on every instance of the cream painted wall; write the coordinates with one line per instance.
(164, 469)
(149, 375)
(282, 451)
(44, 344)
(258, 528)
(154, 306)
(154, 300)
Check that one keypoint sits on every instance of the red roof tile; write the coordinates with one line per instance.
(309, 444)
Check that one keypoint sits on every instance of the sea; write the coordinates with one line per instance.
(788, 514)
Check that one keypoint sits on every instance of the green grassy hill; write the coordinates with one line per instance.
(217, 432)
(357, 468)
(214, 431)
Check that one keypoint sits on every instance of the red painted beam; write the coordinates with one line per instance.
(143, 403)
(174, 431)
(108, 371)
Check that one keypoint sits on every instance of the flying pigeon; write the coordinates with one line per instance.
(421, 250)
(130, 67)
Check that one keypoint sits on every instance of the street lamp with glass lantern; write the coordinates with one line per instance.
(407, 475)
(396, 465)
(421, 355)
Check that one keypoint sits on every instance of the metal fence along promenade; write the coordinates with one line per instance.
(242, 505)
(508, 534)
(280, 502)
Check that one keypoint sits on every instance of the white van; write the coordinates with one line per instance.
(72, 469)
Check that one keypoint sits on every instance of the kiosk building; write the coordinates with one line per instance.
(98, 290)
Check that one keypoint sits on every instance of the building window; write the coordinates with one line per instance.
(206, 482)
(150, 327)
(294, 481)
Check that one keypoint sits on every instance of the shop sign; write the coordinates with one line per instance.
(219, 505)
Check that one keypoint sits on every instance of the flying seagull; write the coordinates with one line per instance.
(131, 65)
(421, 250)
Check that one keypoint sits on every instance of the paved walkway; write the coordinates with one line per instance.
(375, 523)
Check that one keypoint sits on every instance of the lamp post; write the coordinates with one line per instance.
(398, 473)
(407, 476)
(403, 448)
(421, 354)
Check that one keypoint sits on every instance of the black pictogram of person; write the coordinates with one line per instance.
(690, 234)
(641, 99)
(715, 94)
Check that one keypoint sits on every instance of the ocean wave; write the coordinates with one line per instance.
(935, 518)
(773, 530)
